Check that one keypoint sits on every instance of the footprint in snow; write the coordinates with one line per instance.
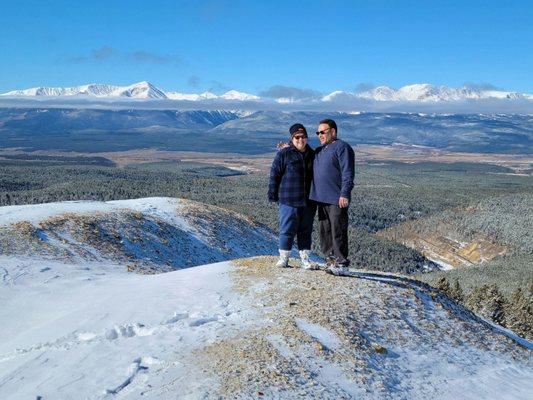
(178, 316)
(203, 320)
(139, 365)
(129, 330)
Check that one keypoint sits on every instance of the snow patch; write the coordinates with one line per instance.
(317, 332)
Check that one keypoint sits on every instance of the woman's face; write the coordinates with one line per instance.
(299, 141)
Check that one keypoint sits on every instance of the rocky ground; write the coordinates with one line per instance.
(367, 336)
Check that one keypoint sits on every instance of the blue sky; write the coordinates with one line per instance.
(192, 46)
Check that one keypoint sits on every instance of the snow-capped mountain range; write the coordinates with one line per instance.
(425, 93)
(140, 90)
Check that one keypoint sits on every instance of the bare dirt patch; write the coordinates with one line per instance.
(446, 249)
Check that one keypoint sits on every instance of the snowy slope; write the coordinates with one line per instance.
(90, 331)
(79, 325)
(93, 331)
(92, 89)
(141, 90)
(146, 235)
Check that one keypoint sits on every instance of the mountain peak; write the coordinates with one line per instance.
(337, 95)
(141, 90)
(236, 95)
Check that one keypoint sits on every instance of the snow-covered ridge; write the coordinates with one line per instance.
(424, 92)
(148, 235)
(140, 90)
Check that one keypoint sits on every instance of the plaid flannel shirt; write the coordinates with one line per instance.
(290, 176)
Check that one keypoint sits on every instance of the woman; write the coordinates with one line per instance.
(290, 182)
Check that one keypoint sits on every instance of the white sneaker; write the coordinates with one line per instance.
(305, 262)
(283, 261)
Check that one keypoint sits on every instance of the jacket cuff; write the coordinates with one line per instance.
(348, 196)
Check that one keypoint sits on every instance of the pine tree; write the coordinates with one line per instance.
(488, 302)
(519, 314)
(443, 285)
(456, 292)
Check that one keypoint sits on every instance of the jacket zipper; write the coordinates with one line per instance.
(305, 177)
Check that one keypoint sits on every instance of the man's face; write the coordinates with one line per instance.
(325, 133)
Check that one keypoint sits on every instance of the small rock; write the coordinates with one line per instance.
(321, 347)
(379, 348)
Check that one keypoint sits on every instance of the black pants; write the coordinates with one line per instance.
(333, 223)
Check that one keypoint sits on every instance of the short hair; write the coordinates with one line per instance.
(330, 122)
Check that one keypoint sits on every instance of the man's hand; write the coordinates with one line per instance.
(343, 202)
(282, 145)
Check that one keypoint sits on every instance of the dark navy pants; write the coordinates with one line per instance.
(296, 222)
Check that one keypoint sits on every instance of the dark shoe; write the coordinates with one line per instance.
(338, 270)
(330, 261)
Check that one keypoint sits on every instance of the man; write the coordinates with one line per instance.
(290, 182)
(333, 175)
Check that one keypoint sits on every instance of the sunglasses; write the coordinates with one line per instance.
(323, 132)
(299, 137)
